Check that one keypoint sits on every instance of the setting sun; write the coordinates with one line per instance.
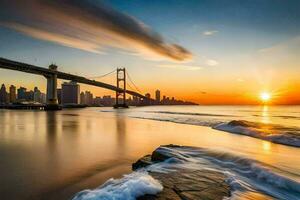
(265, 96)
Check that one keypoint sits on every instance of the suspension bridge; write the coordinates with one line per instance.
(52, 74)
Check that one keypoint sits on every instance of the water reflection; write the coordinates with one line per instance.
(265, 114)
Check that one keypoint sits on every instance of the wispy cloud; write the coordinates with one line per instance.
(180, 67)
(211, 62)
(210, 32)
(87, 25)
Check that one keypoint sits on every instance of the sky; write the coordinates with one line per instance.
(206, 51)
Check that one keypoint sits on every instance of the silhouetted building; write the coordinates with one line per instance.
(21, 93)
(82, 98)
(108, 101)
(59, 95)
(29, 96)
(3, 94)
(43, 98)
(70, 93)
(37, 95)
(12, 94)
(157, 96)
(88, 98)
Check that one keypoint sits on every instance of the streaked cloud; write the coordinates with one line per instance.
(87, 25)
(212, 62)
(180, 67)
(210, 32)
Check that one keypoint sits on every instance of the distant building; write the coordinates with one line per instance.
(21, 93)
(88, 98)
(59, 95)
(108, 100)
(82, 98)
(98, 101)
(29, 95)
(12, 94)
(37, 95)
(43, 98)
(3, 94)
(157, 96)
(70, 93)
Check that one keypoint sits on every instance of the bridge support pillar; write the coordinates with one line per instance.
(121, 82)
(52, 102)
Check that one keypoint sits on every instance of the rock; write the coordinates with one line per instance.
(142, 162)
(186, 184)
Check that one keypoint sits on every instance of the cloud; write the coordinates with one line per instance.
(210, 32)
(211, 62)
(180, 67)
(87, 25)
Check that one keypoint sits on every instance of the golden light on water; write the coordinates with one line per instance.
(265, 96)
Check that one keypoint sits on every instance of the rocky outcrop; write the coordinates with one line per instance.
(185, 184)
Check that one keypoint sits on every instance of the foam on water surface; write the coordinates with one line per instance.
(129, 187)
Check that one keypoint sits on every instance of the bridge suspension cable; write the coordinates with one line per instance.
(104, 75)
(131, 81)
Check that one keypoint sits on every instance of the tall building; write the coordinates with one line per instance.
(157, 96)
(21, 93)
(88, 98)
(37, 95)
(82, 98)
(29, 95)
(12, 94)
(59, 96)
(3, 94)
(70, 93)
(43, 98)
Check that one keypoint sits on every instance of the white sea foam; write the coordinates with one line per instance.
(129, 187)
(244, 174)
(273, 133)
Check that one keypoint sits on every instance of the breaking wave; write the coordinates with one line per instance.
(270, 132)
(129, 187)
(244, 174)
(247, 178)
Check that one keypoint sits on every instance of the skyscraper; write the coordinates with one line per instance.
(70, 93)
(88, 98)
(12, 94)
(157, 96)
(37, 95)
(82, 98)
(21, 93)
(3, 94)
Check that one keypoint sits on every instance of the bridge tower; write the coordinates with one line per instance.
(121, 82)
(52, 102)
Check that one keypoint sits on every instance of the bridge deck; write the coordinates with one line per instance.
(27, 68)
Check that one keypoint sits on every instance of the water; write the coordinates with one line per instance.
(53, 155)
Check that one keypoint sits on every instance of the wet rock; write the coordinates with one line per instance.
(186, 184)
(142, 162)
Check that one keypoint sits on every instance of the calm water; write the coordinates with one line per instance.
(53, 155)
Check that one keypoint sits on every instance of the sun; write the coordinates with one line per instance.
(265, 96)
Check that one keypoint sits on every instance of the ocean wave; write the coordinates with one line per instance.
(191, 113)
(244, 174)
(129, 187)
(270, 132)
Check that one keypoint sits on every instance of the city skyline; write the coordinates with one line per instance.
(218, 53)
(70, 94)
